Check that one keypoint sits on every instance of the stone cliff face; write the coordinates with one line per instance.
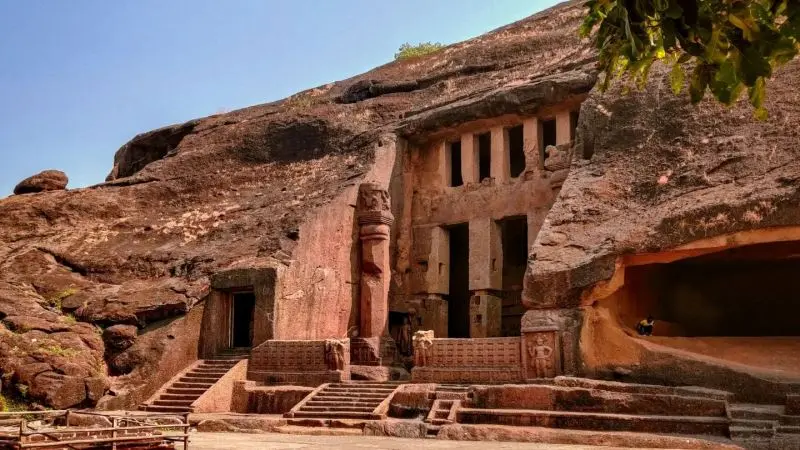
(241, 189)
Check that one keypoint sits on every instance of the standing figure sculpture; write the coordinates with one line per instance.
(423, 341)
(334, 354)
(540, 354)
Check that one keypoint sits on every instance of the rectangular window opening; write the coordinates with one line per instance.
(547, 132)
(484, 156)
(456, 177)
(516, 150)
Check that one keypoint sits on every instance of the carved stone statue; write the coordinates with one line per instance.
(558, 158)
(423, 341)
(540, 356)
(334, 354)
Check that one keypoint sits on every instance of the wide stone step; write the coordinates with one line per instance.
(333, 397)
(596, 421)
(359, 391)
(756, 412)
(752, 423)
(337, 409)
(191, 385)
(166, 409)
(336, 415)
(751, 433)
(786, 429)
(190, 397)
(185, 391)
(792, 421)
(314, 402)
(184, 403)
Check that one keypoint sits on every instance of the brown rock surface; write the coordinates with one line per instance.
(48, 180)
(232, 190)
(724, 172)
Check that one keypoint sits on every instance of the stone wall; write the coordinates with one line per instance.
(471, 360)
(304, 363)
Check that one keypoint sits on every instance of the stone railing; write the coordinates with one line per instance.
(487, 360)
(304, 363)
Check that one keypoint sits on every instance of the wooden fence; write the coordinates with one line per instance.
(53, 430)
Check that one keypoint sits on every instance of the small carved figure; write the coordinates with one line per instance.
(374, 198)
(404, 338)
(540, 354)
(556, 158)
(334, 354)
(423, 341)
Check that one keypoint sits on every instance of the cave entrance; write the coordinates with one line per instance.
(242, 308)
(749, 291)
(458, 298)
(514, 235)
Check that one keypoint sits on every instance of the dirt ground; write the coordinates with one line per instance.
(780, 354)
(239, 441)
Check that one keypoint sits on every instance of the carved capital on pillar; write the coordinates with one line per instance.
(373, 207)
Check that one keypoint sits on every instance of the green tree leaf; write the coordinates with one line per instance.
(676, 78)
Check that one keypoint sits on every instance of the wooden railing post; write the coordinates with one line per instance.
(66, 418)
(114, 424)
(186, 432)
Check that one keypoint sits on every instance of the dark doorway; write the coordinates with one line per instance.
(456, 177)
(458, 299)
(484, 156)
(516, 150)
(547, 132)
(242, 317)
(514, 235)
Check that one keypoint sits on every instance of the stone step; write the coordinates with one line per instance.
(751, 433)
(753, 423)
(371, 404)
(184, 403)
(191, 385)
(203, 380)
(207, 373)
(220, 363)
(359, 391)
(184, 391)
(166, 409)
(190, 397)
(337, 415)
(596, 421)
(756, 411)
(336, 398)
(787, 429)
(792, 421)
(192, 374)
(337, 409)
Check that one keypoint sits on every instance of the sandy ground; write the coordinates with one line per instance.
(780, 354)
(239, 441)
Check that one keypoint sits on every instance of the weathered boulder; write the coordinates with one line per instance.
(120, 337)
(48, 180)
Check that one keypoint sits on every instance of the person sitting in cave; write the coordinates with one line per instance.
(645, 327)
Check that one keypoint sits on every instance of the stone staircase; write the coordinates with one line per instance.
(181, 391)
(755, 422)
(351, 400)
(442, 413)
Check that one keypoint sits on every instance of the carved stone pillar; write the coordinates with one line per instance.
(375, 220)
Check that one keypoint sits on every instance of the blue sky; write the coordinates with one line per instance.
(79, 78)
